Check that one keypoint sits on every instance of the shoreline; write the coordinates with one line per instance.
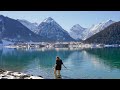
(5, 74)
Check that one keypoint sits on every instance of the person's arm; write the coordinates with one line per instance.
(64, 65)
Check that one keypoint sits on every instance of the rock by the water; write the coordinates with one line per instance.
(16, 75)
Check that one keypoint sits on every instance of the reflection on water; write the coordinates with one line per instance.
(88, 63)
(110, 56)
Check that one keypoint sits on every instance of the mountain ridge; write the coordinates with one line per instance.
(110, 35)
(78, 32)
(53, 31)
(11, 29)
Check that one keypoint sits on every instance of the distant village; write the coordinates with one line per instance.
(57, 45)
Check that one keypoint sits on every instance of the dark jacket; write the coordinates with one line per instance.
(58, 64)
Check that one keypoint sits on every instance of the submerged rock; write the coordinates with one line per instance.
(1, 71)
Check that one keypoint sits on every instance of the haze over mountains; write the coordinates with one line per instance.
(48, 30)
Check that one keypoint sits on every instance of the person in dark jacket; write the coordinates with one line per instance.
(58, 66)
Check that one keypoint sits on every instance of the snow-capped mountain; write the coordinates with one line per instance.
(47, 30)
(13, 30)
(53, 31)
(32, 26)
(110, 35)
(96, 28)
(76, 32)
(83, 33)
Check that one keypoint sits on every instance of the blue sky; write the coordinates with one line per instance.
(66, 18)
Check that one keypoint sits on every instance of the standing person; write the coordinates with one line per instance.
(58, 65)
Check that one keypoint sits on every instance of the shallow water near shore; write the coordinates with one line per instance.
(101, 63)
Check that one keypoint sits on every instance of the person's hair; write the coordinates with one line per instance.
(57, 58)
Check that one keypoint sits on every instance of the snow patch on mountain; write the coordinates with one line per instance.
(97, 28)
(78, 32)
(51, 29)
(32, 26)
(5, 42)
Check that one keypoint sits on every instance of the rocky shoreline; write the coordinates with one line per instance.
(4, 74)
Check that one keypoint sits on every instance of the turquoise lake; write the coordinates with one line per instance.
(95, 63)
